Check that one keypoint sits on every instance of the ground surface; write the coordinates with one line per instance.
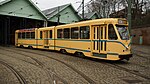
(26, 66)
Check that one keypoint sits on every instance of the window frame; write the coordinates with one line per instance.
(41, 34)
(28, 35)
(83, 35)
(61, 34)
(109, 34)
(121, 34)
(19, 35)
(68, 33)
(73, 34)
(32, 36)
(23, 35)
(50, 34)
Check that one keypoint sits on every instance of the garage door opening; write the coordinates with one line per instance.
(9, 24)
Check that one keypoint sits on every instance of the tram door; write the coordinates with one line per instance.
(99, 39)
(45, 39)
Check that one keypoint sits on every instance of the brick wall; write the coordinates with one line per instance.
(143, 33)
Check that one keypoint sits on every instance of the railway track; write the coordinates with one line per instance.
(116, 66)
(40, 65)
(141, 53)
(20, 78)
(77, 71)
(128, 70)
(111, 64)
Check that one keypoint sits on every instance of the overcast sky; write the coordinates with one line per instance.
(46, 4)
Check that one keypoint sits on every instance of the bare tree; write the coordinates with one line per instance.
(106, 7)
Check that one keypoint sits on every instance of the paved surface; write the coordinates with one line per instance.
(48, 67)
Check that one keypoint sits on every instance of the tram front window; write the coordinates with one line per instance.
(123, 32)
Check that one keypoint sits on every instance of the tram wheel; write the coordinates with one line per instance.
(21, 46)
(30, 47)
(63, 51)
(79, 54)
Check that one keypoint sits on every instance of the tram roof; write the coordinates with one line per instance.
(95, 22)
(89, 22)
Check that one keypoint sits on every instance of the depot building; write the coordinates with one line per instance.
(18, 14)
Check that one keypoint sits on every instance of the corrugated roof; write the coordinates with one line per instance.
(53, 11)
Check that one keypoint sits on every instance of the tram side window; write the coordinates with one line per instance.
(19, 35)
(74, 33)
(112, 34)
(67, 33)
(59, 33)
(27, 35)
(32, 35)
(84, 32)
(41, 34)
(51, 34)
(23, 35)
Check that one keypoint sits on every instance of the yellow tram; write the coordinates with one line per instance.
(107, 39)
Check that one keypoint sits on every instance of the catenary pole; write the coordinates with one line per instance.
(129, 14)
(83, 9)
(58, 15)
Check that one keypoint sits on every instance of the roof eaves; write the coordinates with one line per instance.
(50, 14)
(76, 11)
(65, 7)
(60, 10)
(5, 1)
(38, 9)
(48, 11)
(92, 15)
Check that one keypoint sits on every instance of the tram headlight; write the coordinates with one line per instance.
(125, 50)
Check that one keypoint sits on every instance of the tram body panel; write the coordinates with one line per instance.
(102, 38)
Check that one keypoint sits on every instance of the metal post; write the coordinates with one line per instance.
(129, 14)
(104, 14)
(45, 23)
(114, 6)
(58, 15)
(83, 9)
(104, 10)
